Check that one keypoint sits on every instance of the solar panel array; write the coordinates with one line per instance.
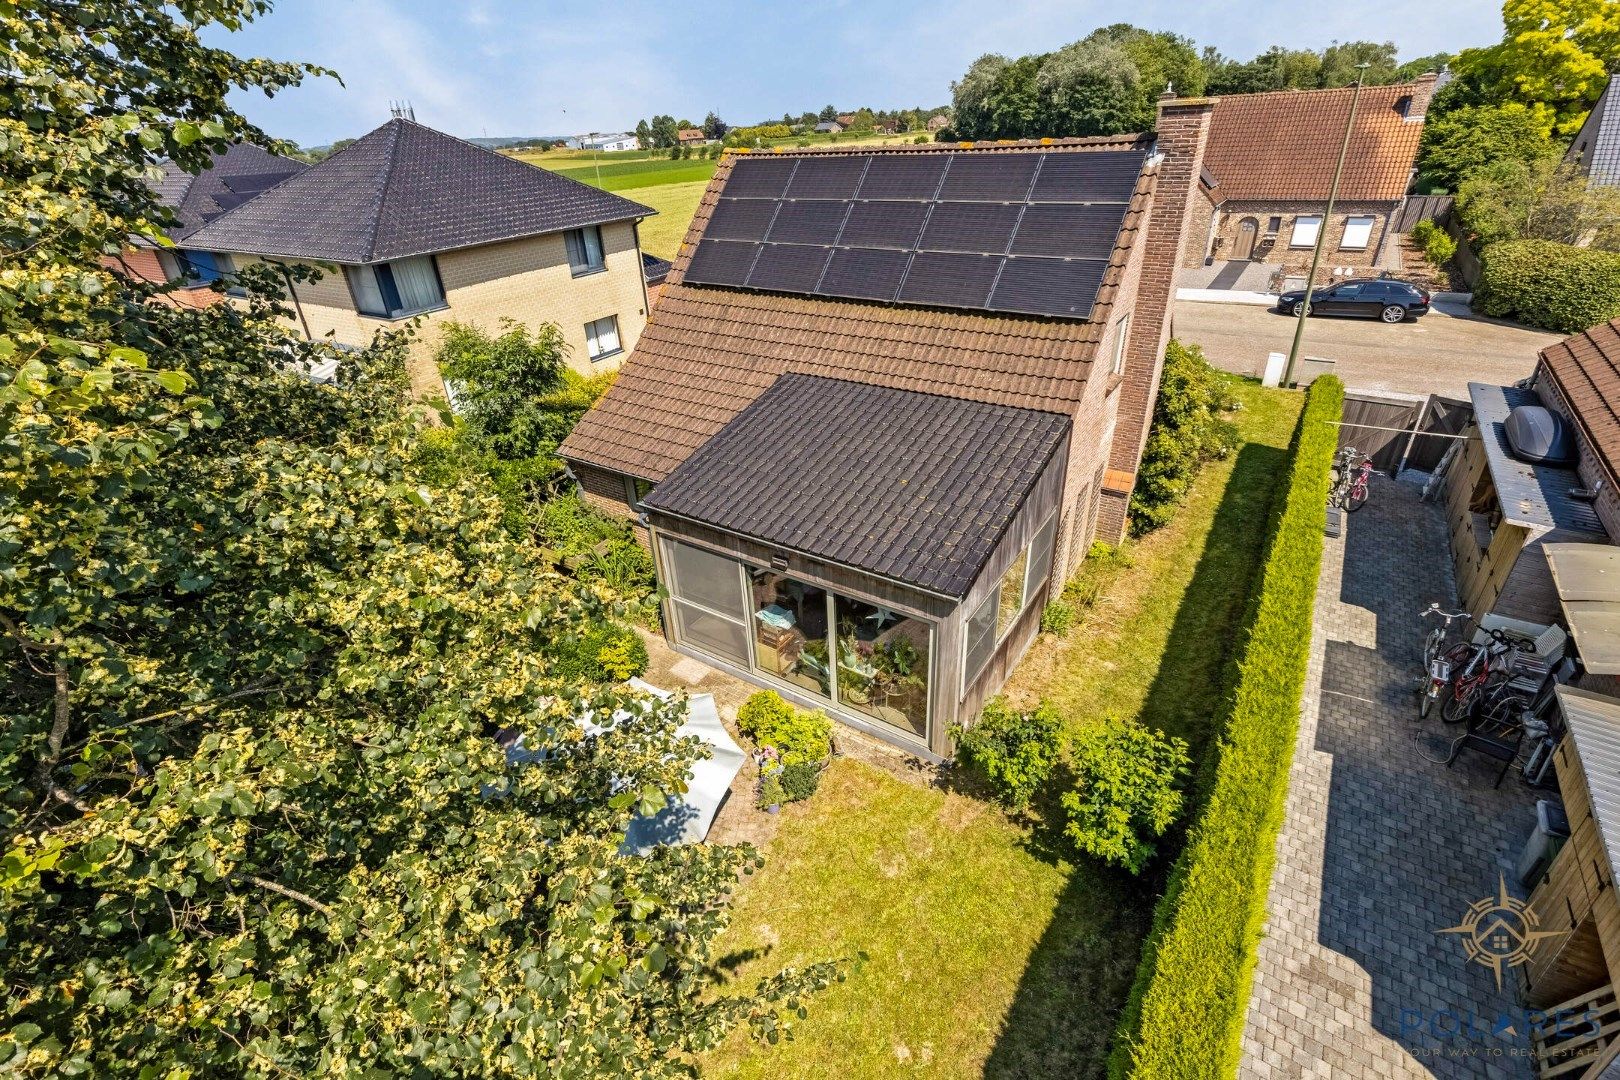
(1013, 231)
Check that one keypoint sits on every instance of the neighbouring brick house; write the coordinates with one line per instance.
(412, 223)
(887, 401)
(1269, 168)
(691, 136)
(233, 177)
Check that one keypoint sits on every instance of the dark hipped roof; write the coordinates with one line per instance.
(1586, 370)
(405, 189)
(914, 487)
(654, 269)
(242, 172)
(707, 352)
(1282, 144)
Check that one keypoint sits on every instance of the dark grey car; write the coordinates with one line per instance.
(1386, 299)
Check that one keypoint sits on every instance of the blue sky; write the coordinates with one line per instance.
(504, 67)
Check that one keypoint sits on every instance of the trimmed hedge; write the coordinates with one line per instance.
(1550, 285)
(1186, 1012)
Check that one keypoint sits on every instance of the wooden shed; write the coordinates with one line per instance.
(1501, 510)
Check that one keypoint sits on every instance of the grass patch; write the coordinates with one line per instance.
(991, 953)
(676, 204)
(1186, 1014)
(613, 173)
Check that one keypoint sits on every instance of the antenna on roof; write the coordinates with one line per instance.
(402, 110)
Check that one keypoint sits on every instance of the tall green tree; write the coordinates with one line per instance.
(256, 822)
(644, 135)
(714, 127)
(1459, 143)
(1092, 87)
(1554, 58)
(1275, 69)
(827, 114)
(1341, 64)
(665, 132)
(1434, 62)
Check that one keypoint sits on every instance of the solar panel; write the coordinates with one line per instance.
(826, 177)
(760, 177)
(950, 280)
(740, 219)
(1048, 286)
(998, 177)
(1026, 230)
(903, 176)
(884, 224)
(1068, 229)
(811, 221)
(721, 262)
(789, 267)
(981, 228)
(864, 273)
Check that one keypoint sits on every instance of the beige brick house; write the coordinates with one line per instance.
(1269, 166)
(887, 400)
(412, 224)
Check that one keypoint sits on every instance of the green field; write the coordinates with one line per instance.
(675, 203)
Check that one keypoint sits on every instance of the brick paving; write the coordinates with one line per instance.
(1382, 847)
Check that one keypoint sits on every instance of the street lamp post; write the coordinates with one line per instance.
(1321, 231)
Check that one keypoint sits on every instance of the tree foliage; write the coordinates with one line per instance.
(1188, 430)
(1543, 199)
(1554, 286)
(1280, 68)
(255, 821)
(1554, 58)
(1459, 143)
(1126, 794)
(1013, 751)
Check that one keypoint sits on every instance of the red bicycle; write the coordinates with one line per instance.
(1350, 479)
(1483, 662)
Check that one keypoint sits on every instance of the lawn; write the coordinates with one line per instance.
(676, 203)
(614, 172)
(989, 952)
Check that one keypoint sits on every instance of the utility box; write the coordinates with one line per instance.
(1310, 368)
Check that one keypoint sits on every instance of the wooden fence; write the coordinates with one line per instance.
(1402, 431)
(1418, 208)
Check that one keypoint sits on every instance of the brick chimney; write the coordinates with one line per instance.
(1423, 88)
(1182, 135)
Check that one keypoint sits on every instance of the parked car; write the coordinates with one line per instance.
(1374, 298)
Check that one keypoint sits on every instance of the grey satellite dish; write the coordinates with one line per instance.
(1540, 436)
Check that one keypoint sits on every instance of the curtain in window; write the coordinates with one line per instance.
(602, 337)
(418, 285)
(584, 249)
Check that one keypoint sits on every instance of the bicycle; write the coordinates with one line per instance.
(1484, 670)
(1350, 480)
(1438, 664)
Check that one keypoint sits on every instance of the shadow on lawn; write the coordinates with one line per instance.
(1080, 974)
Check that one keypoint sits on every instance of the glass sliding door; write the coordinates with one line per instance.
(790, 631)
(706, 600)
(883, 664)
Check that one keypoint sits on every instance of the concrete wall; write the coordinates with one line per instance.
(527, 280)
(1221, 240)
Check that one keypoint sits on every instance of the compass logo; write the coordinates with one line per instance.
(1499, 931)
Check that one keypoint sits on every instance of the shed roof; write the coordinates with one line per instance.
(242, 172)
(1282, 145)
(1593, 723)
(405, 189)
(707, 352)
(918, 488)
(1587, 577)
(1586, 370)
(1535, 497)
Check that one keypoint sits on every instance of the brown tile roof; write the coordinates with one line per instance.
(1586, 370)
(708, 352)
(1283, 145)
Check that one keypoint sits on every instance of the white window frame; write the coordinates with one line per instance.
(630, 496)
(583, 258)
(593, 338)
(1122, 336)
(1362, 222)
(1310, 222)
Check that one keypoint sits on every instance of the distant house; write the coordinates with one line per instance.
(937, 122)
(885, 127)
(691, 136)
(830, 127)
(232, 178)
(847, 119)
(1270, 164)
(1596, 148)
(610, 143)
(887, 401)
(419, 223)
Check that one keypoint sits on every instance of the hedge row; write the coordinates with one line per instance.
(1187, 1009)
(1550, 285)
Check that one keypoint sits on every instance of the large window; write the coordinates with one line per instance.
(1357, 233)
(393, 290)
(790, 631)
(1305, 229)
(883, 664)
(996, 615)
(706, 598)
(602, 338)
(584, 250)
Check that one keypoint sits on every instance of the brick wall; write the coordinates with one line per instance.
(1229, 216)
(1183, 134)
(605, 491)
(143, 264)
(527, 280)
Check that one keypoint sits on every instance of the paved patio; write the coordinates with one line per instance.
(1382, 847)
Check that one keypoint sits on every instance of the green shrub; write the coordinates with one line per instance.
(1437, 244)
(1187, 431)
(800, 780)
(1057, 617)
(1126, 793)
(607, 652)
(922, 139)
(1550, 285)
(1186, 1011)
(798, 735)
(770, 790)
(594, 547)
(1013, 751)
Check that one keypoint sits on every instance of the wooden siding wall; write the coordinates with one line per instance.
(1481, 571)
(1577, 896)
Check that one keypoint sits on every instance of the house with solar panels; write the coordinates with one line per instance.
(888, 399)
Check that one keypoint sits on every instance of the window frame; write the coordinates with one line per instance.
(632, 493)
(1344, 237)
(992, 600)
(587, 268)
(349, 275)
(1293, 236)
(1122, 337)
(590, 339)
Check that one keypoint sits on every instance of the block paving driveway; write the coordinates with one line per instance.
(1382, 847)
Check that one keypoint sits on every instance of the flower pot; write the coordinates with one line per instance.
(773, 808)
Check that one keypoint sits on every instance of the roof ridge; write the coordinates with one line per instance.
(395, 127)
(981, 146)
(1315, 90)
